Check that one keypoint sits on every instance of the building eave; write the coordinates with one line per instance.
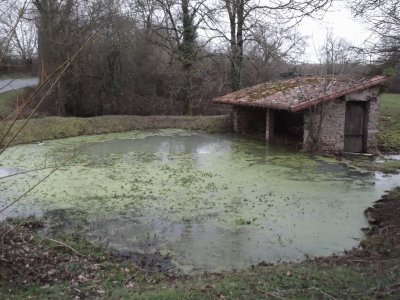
(279, 104)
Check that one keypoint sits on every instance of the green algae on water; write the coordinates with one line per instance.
(210, 201)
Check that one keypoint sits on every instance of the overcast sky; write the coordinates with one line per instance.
(340, 21)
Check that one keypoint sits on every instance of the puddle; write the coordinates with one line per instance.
(207, 202)
(6, 172)
(392, 157)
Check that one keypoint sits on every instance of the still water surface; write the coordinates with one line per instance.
(210, 202)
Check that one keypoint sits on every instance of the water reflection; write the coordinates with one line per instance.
(5, 172)
(168, 145)
(165, 148)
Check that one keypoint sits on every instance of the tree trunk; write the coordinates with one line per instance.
(236, 20)
(54, 26)
(188, 55)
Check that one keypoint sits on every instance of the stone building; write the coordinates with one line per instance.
(332, 114)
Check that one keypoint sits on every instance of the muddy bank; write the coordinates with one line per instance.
(28, 259)
(382, 236)
(58, 127)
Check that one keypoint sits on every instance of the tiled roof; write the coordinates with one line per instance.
(299, 93)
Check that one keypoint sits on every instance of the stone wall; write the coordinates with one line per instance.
(364, 95)
(373, 125)
(332, 134)
(241, 118)
(332, 130)
(372, 119)
(248, 119)
(333, 125)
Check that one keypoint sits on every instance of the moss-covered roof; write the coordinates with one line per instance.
(299, 93)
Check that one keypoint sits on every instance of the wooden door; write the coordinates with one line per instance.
(354, 126)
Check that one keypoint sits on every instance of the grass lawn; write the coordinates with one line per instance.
(389, 131)
(8, 100)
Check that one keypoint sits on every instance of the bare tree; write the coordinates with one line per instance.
(336, 58)
(62, 27)
(270, 51)
(178, 30)
(23, 41)
(384, 22)
(9, 28)
(246, 15)
(383, 16)
(10, 129)
(152, 53)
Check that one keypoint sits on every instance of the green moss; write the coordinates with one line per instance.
(268, 89)
(385, 166)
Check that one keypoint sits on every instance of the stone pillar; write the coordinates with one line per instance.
(242, 117)
(235, 118)
(307, 143)
(372, 125)
(269, 127)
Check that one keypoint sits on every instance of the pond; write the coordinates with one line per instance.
(191, 200)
